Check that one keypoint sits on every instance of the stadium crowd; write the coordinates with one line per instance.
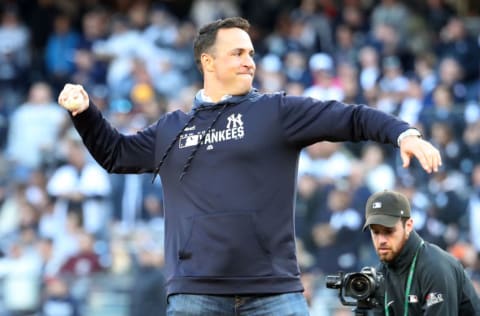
(77, 240)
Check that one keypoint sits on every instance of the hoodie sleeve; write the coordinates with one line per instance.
(306, 121)
(115, 152)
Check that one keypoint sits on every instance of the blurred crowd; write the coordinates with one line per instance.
(68, 229)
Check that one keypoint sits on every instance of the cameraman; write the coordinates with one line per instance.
(420, 278)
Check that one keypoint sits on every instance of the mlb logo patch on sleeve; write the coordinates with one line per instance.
(434, 298)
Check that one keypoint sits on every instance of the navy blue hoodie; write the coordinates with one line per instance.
(229, 220)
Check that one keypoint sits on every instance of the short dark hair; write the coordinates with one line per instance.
(207, 35)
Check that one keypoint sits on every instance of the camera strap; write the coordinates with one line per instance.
(408, 286)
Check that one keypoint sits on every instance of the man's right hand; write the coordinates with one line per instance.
(74, 98)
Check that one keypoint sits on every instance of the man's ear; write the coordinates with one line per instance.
(409, 225)
(207, 62)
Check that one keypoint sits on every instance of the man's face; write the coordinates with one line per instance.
(231, 63)
(389, 241)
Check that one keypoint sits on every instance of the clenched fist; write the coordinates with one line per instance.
(73, 98)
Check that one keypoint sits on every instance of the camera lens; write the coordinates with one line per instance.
(358, 286)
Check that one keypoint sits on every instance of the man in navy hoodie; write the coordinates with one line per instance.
(228, 170)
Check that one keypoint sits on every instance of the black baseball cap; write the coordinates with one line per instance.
(385, 208)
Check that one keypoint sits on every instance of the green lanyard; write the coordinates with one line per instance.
(407, 288)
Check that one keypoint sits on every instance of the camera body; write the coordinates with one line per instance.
(365, 287)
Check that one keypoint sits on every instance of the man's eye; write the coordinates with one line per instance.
(386, 232)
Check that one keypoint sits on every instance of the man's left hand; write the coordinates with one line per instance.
(427, 155)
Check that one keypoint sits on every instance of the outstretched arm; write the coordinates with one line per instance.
(307, 121)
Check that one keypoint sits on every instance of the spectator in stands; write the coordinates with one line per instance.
(370, 70)
(393, 84)
(281, 40)
(59, 300)
(149, 297)
(348, 78)
(393, 13)
(412, 104)
(310, 197)
(50, 265)
(89, 69)
(85, 262)
(296, 69)
(318, 28)
(424, 68)
(346, 48)
(60, 51)
(120, 49)
(270, 76)
(34, 130)
(334, 233)
(471, 138)
(13, 200)
(437, 14)
(378, 171)
(444, 109)
(453, 151)
(327, 161)
(15, 56)
(182, 57)
(474, 208)
(81, 184)
(452, 74)
(206, 11)
(20, 270)
(448, 210)
(325, 84)
(455, 42)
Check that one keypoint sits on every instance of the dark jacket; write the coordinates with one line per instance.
(439, 287)
(229, 220)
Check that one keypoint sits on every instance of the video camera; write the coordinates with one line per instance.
(365, 288)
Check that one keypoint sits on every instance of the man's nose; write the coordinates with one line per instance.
(249, 62)
(382, 238)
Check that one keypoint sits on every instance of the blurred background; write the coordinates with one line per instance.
(75, 240)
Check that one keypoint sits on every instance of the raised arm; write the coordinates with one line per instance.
(115, 152)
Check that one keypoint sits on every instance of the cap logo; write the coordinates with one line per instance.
(377, 205)
(402, 212)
